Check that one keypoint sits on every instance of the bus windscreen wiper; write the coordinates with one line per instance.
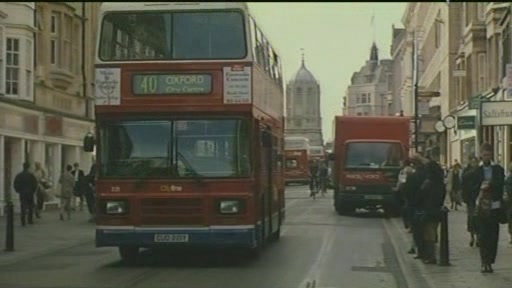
(190, 169)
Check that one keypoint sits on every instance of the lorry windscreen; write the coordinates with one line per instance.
(373, 155)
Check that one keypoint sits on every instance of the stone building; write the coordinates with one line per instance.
(303, 114)
(482, 60)
(397, 54)
(369, 92)
(46, 84)
(437, 32)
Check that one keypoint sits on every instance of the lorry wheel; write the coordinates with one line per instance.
(129, 254)
(343, 209)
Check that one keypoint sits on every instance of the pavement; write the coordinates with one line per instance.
(46, 235)
(464, 269)
(317, 249)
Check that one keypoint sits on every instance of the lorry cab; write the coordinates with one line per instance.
(366, 162)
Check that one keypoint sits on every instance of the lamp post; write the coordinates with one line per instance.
(415, 88)
(417, 94)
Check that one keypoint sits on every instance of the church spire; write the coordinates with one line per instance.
(374, 53)
(302, 50)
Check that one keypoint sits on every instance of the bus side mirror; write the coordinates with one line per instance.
(89, 142)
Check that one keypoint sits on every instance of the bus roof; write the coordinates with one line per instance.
(158, 6)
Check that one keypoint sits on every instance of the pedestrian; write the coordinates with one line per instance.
(488, 205)
(323, 174)
(434, 191)
(90, 196)
(454, 185)
(415, 200)
(25, 184)
(508, 190)
(67, 185)
(470, 190)
(41, 188)
(400, 191)
(313, 178)
(80, 185)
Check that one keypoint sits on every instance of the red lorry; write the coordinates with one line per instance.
(366, 161)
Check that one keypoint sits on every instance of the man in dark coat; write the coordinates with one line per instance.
(435, 192)
(415, 198)
(25, 184)
(80, 184)
(491, 177)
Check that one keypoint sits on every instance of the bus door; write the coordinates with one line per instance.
(267, 182)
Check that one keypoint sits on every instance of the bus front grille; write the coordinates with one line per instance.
(176, 212)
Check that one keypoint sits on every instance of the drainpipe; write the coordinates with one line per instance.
(34, 55)
(84, 75)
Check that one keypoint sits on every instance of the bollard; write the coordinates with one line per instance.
(444, 252)
(9, 227)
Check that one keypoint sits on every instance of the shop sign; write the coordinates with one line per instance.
(474, 102)
(496, 113)
(466, 122)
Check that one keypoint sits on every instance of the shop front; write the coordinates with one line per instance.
(38, 136)
(466, 128)
(496, 120)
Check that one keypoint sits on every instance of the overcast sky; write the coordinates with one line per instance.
(336, 38)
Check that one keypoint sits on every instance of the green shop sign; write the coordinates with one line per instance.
(474, 102)
(466, 122)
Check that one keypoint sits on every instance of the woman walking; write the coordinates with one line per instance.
(488, 205)
(67, 182)
(470, 189)
(454, 185)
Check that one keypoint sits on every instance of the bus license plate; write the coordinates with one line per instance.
(373, 197)
(171, 238)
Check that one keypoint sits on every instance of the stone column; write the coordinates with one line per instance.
(37, 153)
(56, 166)
(18, 158)
(2, 174)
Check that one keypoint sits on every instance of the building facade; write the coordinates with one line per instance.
(481, 62)
(434, 34)
(370, 88)
(46, 80)
(303, 113)
(397, 54)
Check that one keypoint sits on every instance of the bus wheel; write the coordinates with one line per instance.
(276, 235)
(129, 254)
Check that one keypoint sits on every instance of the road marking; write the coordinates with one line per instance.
(313, 274)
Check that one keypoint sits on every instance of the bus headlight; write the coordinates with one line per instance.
(116, 207)
(230, 206)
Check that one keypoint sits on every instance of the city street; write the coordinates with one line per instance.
(318, 249)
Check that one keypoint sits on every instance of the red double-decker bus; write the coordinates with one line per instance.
(296, 160)
(189, 128)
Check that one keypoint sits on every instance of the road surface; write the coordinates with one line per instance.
(318, 249)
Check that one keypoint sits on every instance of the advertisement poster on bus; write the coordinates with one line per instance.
(108, 86)
(237, 85)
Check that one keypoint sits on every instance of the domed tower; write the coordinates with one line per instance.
(303, 115)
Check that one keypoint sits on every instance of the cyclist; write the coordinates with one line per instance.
(323, 173)
(313, 177)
